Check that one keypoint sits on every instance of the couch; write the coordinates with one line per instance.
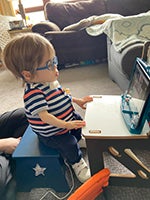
(75, 46)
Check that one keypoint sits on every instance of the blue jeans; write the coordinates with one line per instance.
(66, 144)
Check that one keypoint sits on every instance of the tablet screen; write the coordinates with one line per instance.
(139, 88)
(135, 103)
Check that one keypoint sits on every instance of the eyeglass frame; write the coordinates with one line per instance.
(50, 64)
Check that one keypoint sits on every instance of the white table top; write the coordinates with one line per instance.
(104, 119)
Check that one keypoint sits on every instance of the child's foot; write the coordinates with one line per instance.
(82, 142)
(82, 171)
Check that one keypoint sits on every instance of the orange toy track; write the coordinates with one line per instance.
(92, 187)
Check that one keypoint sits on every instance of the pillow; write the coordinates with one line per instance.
(90, 23)
(82, 24)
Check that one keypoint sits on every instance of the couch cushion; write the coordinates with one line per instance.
(64, 14)
(127, 7)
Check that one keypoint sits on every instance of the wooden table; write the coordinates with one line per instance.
(105, 128)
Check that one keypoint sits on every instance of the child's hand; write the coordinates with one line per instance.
(75, 124)
(85, 100)
(82, 101)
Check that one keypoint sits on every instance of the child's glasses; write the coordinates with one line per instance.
(50, 64)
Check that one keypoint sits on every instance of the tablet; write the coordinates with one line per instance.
(135, 102)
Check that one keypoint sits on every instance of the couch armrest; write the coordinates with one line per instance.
(60, 34)
(43, 27)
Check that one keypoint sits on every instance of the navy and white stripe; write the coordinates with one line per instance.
(39, 97)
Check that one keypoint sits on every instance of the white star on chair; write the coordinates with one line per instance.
(39, 170)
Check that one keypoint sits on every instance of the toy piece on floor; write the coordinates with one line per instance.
(130, 153)
(92, 187)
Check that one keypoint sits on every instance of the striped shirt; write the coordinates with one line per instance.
(39, 97)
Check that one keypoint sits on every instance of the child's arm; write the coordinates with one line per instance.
(82, 101)
(51, 119)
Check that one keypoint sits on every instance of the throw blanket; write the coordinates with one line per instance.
(122, 31)
(4, 27)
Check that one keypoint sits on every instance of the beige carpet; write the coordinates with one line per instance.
(82, 81)
(11, 92)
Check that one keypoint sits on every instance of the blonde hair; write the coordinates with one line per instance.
(25, 52)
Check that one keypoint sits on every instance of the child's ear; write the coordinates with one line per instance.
(26, 75)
